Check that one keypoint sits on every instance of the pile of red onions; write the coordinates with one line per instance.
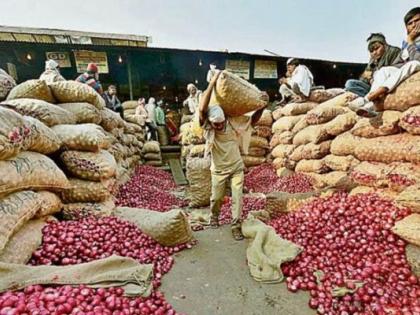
(60, 300)
(74, 242)
(263, 179)
(149, 188)
(413, 120)
(400, 180)
(249, 204)
(349, 239)
(363, 179)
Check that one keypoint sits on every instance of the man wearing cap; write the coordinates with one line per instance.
(193, 98)
(381, 55)
(91, 78)
(298, 85)
(52, 72)
(225, 138)
(388, 78)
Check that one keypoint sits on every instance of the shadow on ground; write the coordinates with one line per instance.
(213, 278)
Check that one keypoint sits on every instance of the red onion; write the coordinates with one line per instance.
(349, 239)
(263, 179)
(413, 120)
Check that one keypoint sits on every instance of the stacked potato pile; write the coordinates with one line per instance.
(259, 147)
(81, 136)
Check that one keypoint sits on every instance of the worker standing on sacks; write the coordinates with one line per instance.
(225, 138)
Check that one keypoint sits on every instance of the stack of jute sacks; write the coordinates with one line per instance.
(151, 153)
(388, 146)
(129, 108)
(237, 97)
(90, 137)
(259, 147)
(302, 139)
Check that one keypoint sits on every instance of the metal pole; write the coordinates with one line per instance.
(130, 83)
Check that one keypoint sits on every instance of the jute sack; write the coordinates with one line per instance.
(116, 151)
(262, 131)
(311, 151)
(15, 210)
(24, 242)
(7, 83)
(283, 171)
(153, 157)
(321, 96)
(199, 179)
(412, 253)
(409, 229)
(406, 95)
(50, 204)
(283, 150)
(286, 137)
(132, 128)
(130, 105)
(156, 163)
(279, 162)
(294, 109)
(236, 96)
(386, 123)
(250, 161)
(344, 144)
(43, 139)
(266, 119)
(341, 163)
(370, 174)
(93, 166)
(340, 124)
(315, 166)
(311, 134)
(410, 197)
(85, 113)
(323, 114)
(135, 119)
(259, 142)
(74, 211)
(111, 120)
(129, 111)
(279, 202)
(277, 113)
(47, 113)
(197, 150)
(85, 191)
(30, 170)
(76, 92)
(339, 180)
(162, 135)
(168, 228)
(410, 120)
(85, 137)
(15, 133)
(36, 89)
(300, 125)
(401, 147)
(257, 152)
(151, 147)
(286, 123)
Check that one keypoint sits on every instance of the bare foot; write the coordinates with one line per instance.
(379, 93)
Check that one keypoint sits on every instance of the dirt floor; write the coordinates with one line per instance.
(213, 278)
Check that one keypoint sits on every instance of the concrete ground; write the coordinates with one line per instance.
(212, 278)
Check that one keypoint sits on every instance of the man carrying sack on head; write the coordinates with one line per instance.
(225, 137)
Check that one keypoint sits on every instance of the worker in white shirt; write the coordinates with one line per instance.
(193, 99)
(298, 82)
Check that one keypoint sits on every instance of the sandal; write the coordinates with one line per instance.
(214, 222)
(237, 234)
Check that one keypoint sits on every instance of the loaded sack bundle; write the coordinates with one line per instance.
(410, 120)
(35, 89)
(406, 95)
(250, 160)
(199, 178)
(30, 170)
(85, 113)
(86, 191)
(47, 113)
(321, 96)
(43, 139)
(341, 163)
(73, 211)
(236, 96)
(110, 119)
(93, 166)
(50, 204)
(386, 123)
(310, 151)
(7, 83)
(76, 92)
(84, 137)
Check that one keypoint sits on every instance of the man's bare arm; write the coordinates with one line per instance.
(205, 99)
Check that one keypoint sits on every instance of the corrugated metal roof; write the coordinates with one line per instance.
(29, 34)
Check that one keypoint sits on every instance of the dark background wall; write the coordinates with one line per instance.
(164, 73)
